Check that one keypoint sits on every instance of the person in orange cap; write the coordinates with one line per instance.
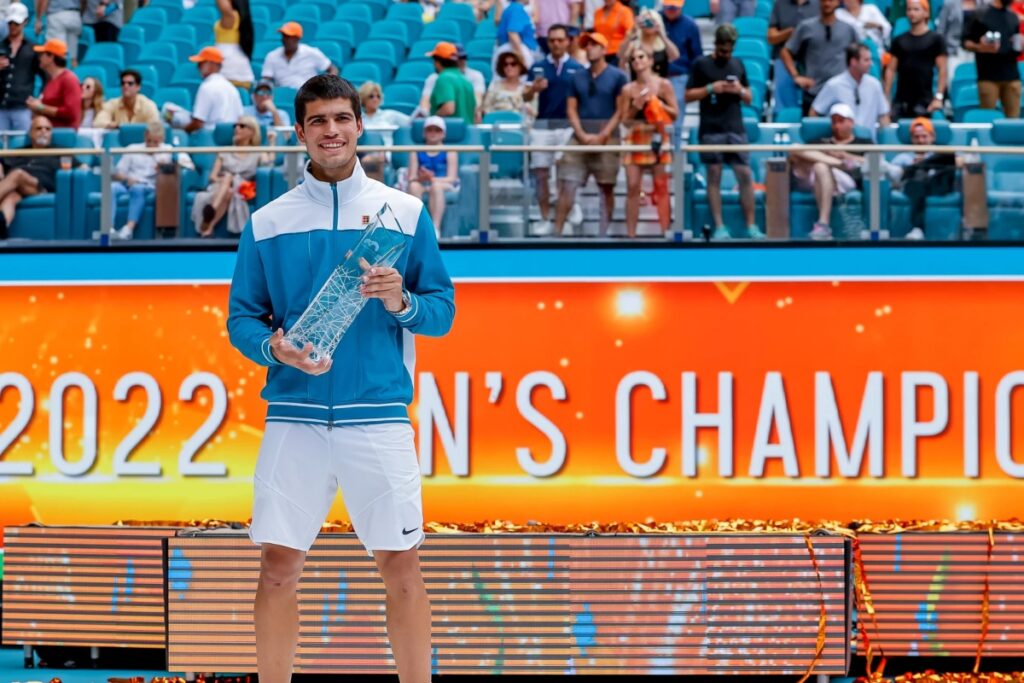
(920, 175)
(614, 21)
(453, 94)
(294, 62)
(61, 99)
(217, 100)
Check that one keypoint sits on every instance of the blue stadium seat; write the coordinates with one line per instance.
(414, 73)
(84, 71)
(274, 9)
(152, 20)
(183, 37)
(186, 75)
(480, 48)
(261, 17)
(264, 47)
(790, 115)
(1005, 191)
(378, 8)
(697, 8)
(174, 9)
(105, 53)
(732, 213)
(332, 50)
(284, 99)
(164, 56)
(462, 14)
(403, 97)
(382, 53)
(358, 16)
(151, 79)
(360, 72)
(410, 14)
(942, 212)
(392, 31)
(305, 14)
(983, 116)
(442, 29)
(179, 96)
(752, 27)
(341, 33)
(420, 49)
(486, 29)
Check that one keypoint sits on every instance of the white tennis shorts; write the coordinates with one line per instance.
(301, 466)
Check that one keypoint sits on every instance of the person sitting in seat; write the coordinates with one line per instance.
(28, 176)
(922, 174)
(434, 173)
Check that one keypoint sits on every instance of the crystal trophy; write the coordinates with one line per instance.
(339, 301)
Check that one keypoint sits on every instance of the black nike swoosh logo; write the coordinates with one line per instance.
(406, 533)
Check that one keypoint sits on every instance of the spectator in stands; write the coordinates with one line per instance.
(217, 100)
(131, 107)
(231, 179)
(452, 94)
(650, 32)
(614, 21)
(719, 82)
(647, 106)
(869, 19)
(857, 88)
(683, 33)
(233, 35)
(28, 176)
(135, 175)
(19, 66)
(950, 25)
(374, 115)
(922, 174)
(63, 23)
(434, 173)
(263, 108)
(592, 108)
(915, 56)
(92, 101)
(61, 99)
(106, 18)
(998, 78)
(555, 13)
(550, 81)
(818, 45)
(516, 32)
(726, 11)
(507, 92)
(294, 62)
(830, 174)
(786, 15)
(475, 78)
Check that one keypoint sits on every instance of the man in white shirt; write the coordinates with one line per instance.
(217, 100)
(135, 176)
(856, 88)
(472, 75)
(294, 63)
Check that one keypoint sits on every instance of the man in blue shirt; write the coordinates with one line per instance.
(516, 33)
(593, 113)
(550, 82)
(684, 33)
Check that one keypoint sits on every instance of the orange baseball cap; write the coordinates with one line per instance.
(444, 50)
(208, 54)
(57, 48)
(588, 38)
(292, 29)
(672, 3)
(925, 122)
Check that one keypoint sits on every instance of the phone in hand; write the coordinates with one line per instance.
(732, 79)
(538, 72)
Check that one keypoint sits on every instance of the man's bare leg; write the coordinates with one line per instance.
(277, 612)
(824, 186)
(408, 613)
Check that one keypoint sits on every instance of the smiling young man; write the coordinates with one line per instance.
(348, 426)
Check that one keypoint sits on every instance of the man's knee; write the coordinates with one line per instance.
(281, 566)
(400, 571)
(137, 191)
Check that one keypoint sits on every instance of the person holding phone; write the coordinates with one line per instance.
(650, 32)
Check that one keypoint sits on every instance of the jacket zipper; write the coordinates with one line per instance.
(330, 373)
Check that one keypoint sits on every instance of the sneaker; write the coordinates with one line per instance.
(576, 215)
(821, 231)
(543, 228)
(721, 233)
(122, 234)
(754, 232)
(915, 234)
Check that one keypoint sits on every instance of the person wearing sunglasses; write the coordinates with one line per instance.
(592, 108)
(263, 108)
(507, 92)
(816, 51)
(131, 107)
(856, 88)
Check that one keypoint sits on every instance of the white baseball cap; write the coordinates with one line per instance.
(17, 13)
(842, 109)
(436, 122)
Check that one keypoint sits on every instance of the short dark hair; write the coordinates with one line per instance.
(853, 51)
(326, 87)
(133, 73)
(558, 27)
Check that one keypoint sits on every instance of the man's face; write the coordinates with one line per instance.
(919, 135)
(41, 132)
(673, 13)
(723, 51)
(261, 98)
(154, 139)
(15, 29)
(290, 44)
(916, 12)
(829, 7)
(862, 64)
(842, 127)
(330, 131)
(595, 52)
(129, 86)
(558, 43)
(45, 60)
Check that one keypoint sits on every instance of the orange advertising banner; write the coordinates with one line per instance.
(558, 401)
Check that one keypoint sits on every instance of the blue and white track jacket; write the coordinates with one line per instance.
(287, 252)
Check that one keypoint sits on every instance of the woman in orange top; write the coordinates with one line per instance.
(614, 21)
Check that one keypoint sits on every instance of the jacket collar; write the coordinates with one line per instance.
(348, 189)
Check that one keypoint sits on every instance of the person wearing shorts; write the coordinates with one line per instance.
(337, 428)
(593, 113)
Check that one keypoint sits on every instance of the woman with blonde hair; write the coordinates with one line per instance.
(647, 106)
(92, 101)
(231, 182)
(371, 97)
(649, 31)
